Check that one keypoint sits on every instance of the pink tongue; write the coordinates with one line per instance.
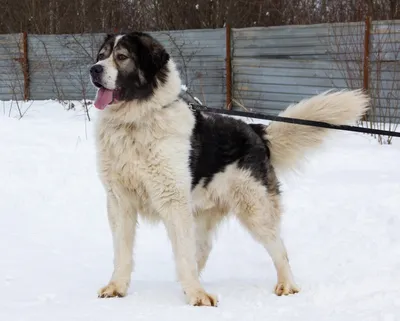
(104, 97)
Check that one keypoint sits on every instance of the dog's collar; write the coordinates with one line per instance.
(171, 103)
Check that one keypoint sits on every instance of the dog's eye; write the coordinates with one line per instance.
(121, 57)
(101, 56)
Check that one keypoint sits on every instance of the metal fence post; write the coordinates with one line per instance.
(25, 64)
(366, 58)
(23, 61)
(367, 33)
(228, 67)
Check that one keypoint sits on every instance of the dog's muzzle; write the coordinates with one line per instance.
(95, 72)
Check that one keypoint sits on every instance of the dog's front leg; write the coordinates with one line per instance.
(179, 224)
(122, 219)
(168, 181)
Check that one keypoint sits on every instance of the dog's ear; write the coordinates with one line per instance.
(108, 36)
(159, 57)
(154, 54)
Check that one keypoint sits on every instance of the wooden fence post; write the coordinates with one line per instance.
(228, 67)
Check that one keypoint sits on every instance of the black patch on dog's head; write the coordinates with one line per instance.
(146, 68)
(108, 37)
(108, 43)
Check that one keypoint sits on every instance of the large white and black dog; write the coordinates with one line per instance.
(159, 159)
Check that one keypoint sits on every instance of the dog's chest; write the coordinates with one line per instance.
(123, 157)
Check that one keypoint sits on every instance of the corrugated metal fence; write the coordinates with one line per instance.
(271, 67)
(11, 76)
(59, 64)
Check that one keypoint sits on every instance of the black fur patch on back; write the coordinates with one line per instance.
(219, 141)
(260, 131)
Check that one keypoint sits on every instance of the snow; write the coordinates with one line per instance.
(341, 227)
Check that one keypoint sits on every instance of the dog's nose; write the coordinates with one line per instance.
(96, 69)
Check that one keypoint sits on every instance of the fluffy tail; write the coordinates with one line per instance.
(290, 143)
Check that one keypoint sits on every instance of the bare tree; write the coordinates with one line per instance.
(87, 16)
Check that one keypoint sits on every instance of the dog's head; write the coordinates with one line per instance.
(128, 67)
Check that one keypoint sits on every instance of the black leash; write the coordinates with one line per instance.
(294, 121)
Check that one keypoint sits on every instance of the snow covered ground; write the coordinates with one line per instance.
(341, 228)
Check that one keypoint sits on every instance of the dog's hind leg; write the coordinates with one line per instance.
(261, 217)
(277, 251)
(122, 219)
(207, 222)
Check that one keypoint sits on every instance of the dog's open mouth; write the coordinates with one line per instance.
(105, 97)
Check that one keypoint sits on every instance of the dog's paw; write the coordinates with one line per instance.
(286, 288)
(201, 298)
(112, 290)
